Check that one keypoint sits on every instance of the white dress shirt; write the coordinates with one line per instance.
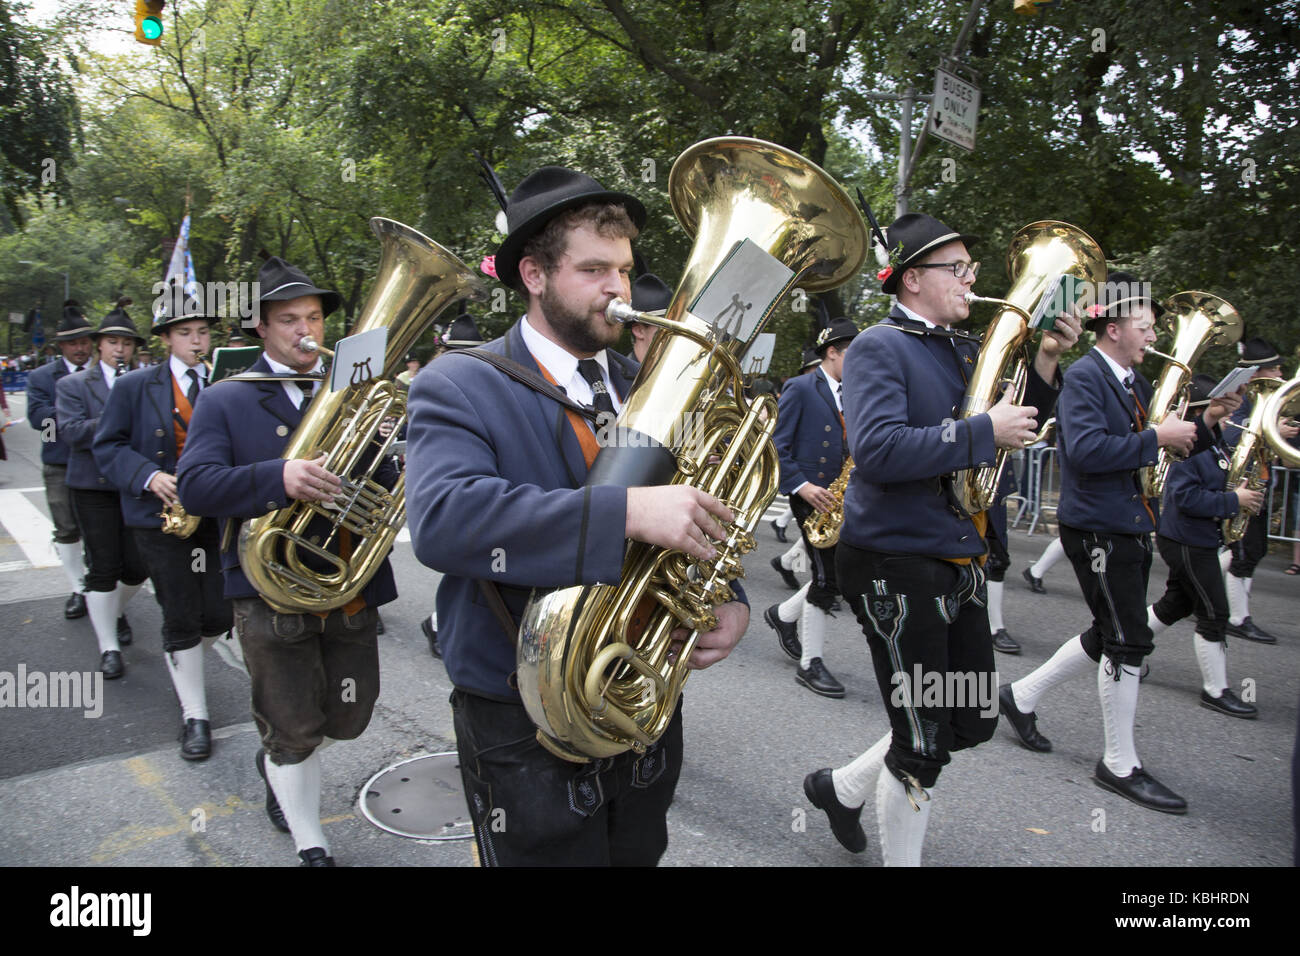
(564, 367)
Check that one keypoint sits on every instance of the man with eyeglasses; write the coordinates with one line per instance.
(910, 560)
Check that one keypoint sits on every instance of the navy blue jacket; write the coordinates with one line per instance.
(901, 393)
(1101, 450)
(1197, 501)
(808, 437)
(494, 481)
(232, 467)
(135, 438)
(80, 401)
(41, 408)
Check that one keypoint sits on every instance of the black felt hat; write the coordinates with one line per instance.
(911, 237)
(1259, 352)
(73, 324)
(278, 281)
(539, 198)
(810, 360)
(1200, 389)
(186, 309)
(462, 333)
(650, 293)
(1121, 292)
(840, 330)
(118, 322)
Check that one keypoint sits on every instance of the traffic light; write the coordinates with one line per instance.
(1030, 8)
(148, 21)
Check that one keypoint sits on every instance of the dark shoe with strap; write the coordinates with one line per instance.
(1250, 631)
(780, 532)
(315, 856)
(819, 680)
(273, 811)
(432, 637)
(1140, 787)
(110, 662)
(787, 634)
(196, 739)
(1025, 725)
(1035, 584)
(124, 635)
(1002, 641)
(846, 824)
(787, 576)
(1230, 704)
(75, 606)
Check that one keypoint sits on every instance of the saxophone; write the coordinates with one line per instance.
(823, 528)
(1252, 456)
(595, 666)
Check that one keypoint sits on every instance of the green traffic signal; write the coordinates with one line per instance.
(152, 28)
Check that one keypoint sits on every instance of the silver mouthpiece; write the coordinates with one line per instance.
(618, 312)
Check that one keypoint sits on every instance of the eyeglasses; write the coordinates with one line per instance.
(959, 269)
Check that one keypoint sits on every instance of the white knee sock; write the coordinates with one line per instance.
(297, 787)
(902, 826)
(73, 564)
(124, 594)
(1154, 622)
(1238, 598)
(1119, 713)
(995, 605)
(102, 608)
(1212, 656)
(186, 669)
(1250, 583)
(1051, 554)
(790, 609)
(812, 633)
(855, 779)
(784, 520)
(1225, 559)
(787, 558)
(1070, 660)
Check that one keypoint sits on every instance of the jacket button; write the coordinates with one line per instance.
(826, 444)
(157, 433)
(1134, 498)
(158, 454)
(270, 505)
(101, 481)
(282, 430)
(828, 427)
(820, 474)
(1137, 519)
(821, 460)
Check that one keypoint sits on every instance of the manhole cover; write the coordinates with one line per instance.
(420, 798)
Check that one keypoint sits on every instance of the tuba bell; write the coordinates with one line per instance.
(417, 279)
(1252, 454)
(593, 661)
(1198, 321)
(1283, 403)
(1039, 252)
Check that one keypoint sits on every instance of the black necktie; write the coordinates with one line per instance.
(839, 394)
(307, 389)
(80, 368)
(589, 369)
(192, 393)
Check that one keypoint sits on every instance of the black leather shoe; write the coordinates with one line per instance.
(315, 856)
(1250, 631)
(1035, 584)
(819, 680)
(787, 576)
(787, 634)
(75, 606)
(1002, 641)
(196, 740)
(110, 662)
(432, 635)
(780, 532)
(1140, 787)
(273, 811)
(1230, 704)
(846, 824)
(379, 624)
(124, 635)
(1025, 725)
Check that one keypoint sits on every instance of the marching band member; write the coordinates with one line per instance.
(810, 361)
(497, 503)
(74, 339)
(1106, 524)
(314, 676)
(909, 558)
(141, 435)
(116, 569)
(810, 442)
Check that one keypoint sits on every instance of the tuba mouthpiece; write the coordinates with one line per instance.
(618, 312)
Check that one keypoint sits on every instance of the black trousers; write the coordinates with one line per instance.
(1113, 570)
(111, 554)
(823, 589)
(999, 560)
(1195, 586)
(187, 581)
(1247, 552)
(530, 808)
(926, 621)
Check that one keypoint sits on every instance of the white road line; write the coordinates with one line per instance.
(29, 527)
(14, 566)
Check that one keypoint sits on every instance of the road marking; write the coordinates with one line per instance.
(148, 778)
(14, 566)
(29, 527)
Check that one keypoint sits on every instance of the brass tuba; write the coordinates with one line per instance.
(1251, 456)
(1039, 253)
(823, 528)
(593, 661)
(1198, 320)
(1283, 403)
(417, 279)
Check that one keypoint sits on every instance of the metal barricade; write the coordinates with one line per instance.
(1037, 488)
(1284, 504)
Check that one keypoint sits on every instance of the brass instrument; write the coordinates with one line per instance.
(417, 279)
(823, 528)
(593, 661)
(1039, 252)
(175, 519)
(1251, 456)
(1283, 403)
(1198, 321)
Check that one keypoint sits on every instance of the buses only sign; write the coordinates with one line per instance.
(955, 107)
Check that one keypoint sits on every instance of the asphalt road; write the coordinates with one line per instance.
(112, 790)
